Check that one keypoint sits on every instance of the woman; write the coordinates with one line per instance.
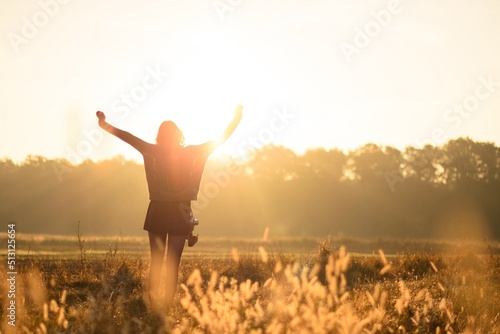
(173, 174)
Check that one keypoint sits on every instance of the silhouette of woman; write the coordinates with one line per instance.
(173, 174)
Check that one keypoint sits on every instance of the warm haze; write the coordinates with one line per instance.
(393, 73)
(355, 191)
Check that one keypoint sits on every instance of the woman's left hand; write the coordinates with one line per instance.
(102, 118)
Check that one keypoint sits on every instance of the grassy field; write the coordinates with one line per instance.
(300, 285)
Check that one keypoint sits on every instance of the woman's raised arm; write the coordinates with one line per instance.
(238, 115)
(127, 137)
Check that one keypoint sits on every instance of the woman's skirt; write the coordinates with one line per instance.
(168, 217)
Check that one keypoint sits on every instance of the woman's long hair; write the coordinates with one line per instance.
(169, 135)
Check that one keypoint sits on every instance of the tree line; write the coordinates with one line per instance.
(448, 191)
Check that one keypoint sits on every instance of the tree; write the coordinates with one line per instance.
(422, 164)
(488, 161)
(461, 161)
(371, 162)
(273, 163)
(323, 164)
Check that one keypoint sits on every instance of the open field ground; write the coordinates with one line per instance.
(55, 246)
(301, 285)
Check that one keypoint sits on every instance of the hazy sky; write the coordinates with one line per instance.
(324, 73)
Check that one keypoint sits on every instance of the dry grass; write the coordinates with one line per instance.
(328, 292)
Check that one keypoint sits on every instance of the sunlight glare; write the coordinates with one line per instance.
(208, 87)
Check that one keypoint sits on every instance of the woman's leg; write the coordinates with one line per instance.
(157, 245)
(174, 252)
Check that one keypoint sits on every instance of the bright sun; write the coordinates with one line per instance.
(209, 84)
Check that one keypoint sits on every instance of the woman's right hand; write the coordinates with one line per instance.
(238, 114)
